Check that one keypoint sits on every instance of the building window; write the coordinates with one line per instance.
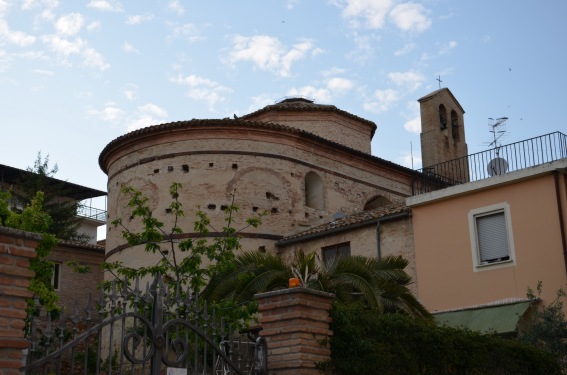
(442, 117)
(376, 202)
(491, 237)
(314, 191)
(56, 276)
(332, 252)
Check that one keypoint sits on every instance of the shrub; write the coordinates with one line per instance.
(366, 342)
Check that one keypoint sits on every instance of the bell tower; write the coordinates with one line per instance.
(443, 135)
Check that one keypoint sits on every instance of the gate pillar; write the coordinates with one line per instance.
(16, 250)
(295, 323)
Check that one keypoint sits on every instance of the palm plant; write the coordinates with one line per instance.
(381, 284)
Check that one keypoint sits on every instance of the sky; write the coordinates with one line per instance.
(75, 75)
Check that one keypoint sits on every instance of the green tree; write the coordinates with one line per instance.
(65, 223)
(186, 264)
(547, 327)
(381, 284)
(33, 218)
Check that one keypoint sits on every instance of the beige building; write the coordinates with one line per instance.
(478, 230)
(304, 163)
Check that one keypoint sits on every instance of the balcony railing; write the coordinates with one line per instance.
(497, 161)
(92, 213)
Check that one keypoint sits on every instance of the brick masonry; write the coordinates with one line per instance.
(295, 323)
(16, 250)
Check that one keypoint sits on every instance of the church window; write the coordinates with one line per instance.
(455, 125)
(314, 196)
(442, 117)
(376, 202)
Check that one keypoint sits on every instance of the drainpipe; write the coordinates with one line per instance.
(561, 222)
(380, 221)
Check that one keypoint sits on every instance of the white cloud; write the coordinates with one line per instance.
(95, 25)
(446, 48)
(130, 91)
(66, 48)
(63, 46)
(4, 7)
(128, 48)
(146, 115)
(203, 89)
(410, 80)
(15, 37)
(110, 113)
(260, 101)
(34, 4)
(292, 3)
(410, 17)
(138, 19)
(43, 72)
(176, 7)
(372, 12)
(321, 95)
(268, 53)
(412, 114)
(188, 32)
(364, 47)
(94, 59)
(69, 24)
(339, 84)
(333, 71)
(410, 161)
(104, 5)
(405, 49)
(413, 125)
(381, 101)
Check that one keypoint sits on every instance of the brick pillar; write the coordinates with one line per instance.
(295, 324)
(16, 250)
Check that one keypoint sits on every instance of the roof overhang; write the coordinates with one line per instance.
(502, 319)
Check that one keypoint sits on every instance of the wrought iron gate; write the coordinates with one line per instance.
(131, 332)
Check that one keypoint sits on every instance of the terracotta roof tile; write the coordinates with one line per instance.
(347, 222)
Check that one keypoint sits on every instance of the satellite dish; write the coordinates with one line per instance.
(497, 167)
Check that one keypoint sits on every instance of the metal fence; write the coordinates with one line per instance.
(92, 213)
(131, 332)
(497, 161)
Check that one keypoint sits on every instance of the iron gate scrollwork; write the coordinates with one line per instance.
(131, 332)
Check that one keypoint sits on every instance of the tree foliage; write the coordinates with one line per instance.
(186, 264)
(382, 284)
(547, 328)
(33, 218)
(65, 223)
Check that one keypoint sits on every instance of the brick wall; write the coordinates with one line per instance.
(295, 323)
(74, 288)
(16, 250)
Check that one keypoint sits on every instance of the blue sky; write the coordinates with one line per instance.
(74, 75)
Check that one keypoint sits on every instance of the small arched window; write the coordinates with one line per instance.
(442, 117)
(455, 125)
(314, 196)
(376, 202)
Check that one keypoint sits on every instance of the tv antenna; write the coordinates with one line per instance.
(498, 165)
(498, 129)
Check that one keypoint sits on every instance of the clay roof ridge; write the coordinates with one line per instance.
(239, 122)
(357, 219)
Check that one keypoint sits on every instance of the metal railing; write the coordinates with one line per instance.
(497, 161)
(92, 213)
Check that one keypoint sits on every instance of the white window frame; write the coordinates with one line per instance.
(473, 230)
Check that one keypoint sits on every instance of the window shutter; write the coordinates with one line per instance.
(492, 237)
